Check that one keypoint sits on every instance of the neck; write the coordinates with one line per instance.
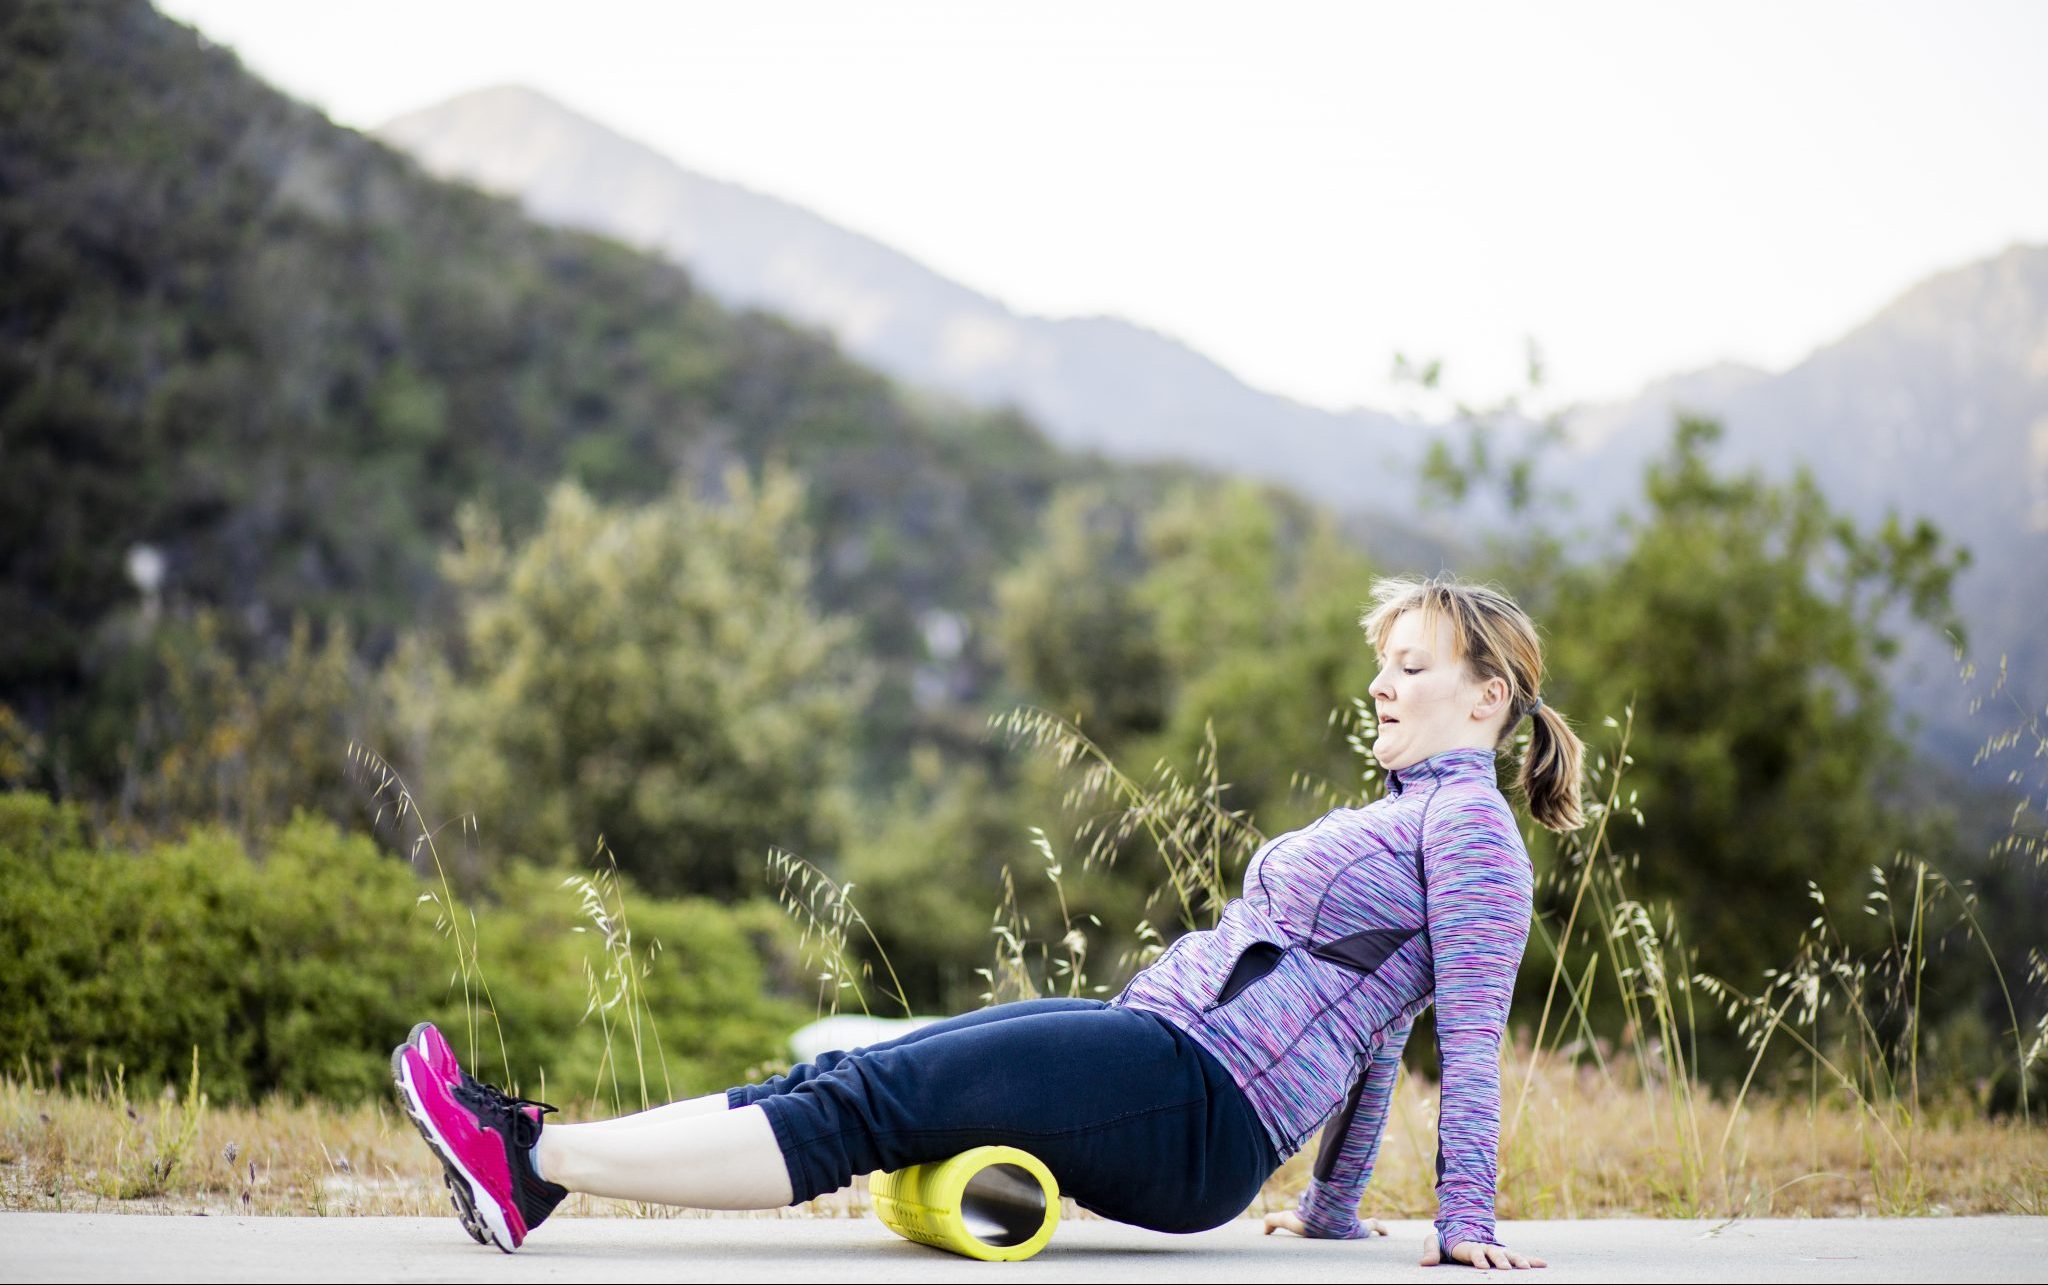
(1457, 761)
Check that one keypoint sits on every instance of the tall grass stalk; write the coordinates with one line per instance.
(1579, 853)
(825, 913)
(1196, 838)
(1010, 978)
(2020, 841)
(616, 993)
(2026, 1056)
(392, 792)
(618, 996)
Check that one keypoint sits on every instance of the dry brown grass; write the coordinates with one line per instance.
(1584, 1150)
(1581, 1150)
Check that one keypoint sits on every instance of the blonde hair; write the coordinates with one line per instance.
(1495, 639)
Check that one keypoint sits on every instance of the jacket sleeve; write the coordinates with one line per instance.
(1350, 1145)
(1477, 873)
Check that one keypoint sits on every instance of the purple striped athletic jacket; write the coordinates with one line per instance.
(1308, 985)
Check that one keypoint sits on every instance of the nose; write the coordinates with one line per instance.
(1382, 688)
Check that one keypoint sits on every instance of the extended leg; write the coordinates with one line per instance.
(721, 1160)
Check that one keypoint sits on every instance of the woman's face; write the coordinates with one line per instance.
(1426, 699)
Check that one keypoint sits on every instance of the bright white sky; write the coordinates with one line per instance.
(1299, 190)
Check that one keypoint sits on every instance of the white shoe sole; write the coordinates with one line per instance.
(488, 1211)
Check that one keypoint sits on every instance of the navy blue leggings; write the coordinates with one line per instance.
(1136, 1121)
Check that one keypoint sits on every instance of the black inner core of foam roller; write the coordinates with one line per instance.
(1002, 1205)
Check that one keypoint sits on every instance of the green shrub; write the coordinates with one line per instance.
(297, 971)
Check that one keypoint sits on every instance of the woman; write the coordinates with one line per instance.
(1169, 1106)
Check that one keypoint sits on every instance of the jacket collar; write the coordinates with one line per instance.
(1450, 765)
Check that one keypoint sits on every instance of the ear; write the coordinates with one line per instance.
(1493, 698)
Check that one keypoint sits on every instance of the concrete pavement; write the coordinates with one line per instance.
(108, 1247)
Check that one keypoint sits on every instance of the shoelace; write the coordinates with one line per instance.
(492, 1098)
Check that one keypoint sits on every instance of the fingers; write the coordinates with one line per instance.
(1488, 1257)
(1285, 1220)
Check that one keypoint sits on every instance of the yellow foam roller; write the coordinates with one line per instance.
(997, 1204)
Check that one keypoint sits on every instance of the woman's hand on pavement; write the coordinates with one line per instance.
(1484, 1257)
(1288, 1220)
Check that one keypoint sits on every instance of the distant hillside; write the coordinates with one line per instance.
(1098, 383)
(1937, 407)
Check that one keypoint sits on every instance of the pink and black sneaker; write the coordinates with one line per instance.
(440, 1057)
(484, 1138)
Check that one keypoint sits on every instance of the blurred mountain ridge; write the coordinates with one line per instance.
(1092, 382)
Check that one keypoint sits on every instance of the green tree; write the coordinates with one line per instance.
(1072, 632)
(655, 675)
(1744, 622)
(1257, 601)
(247, 742)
